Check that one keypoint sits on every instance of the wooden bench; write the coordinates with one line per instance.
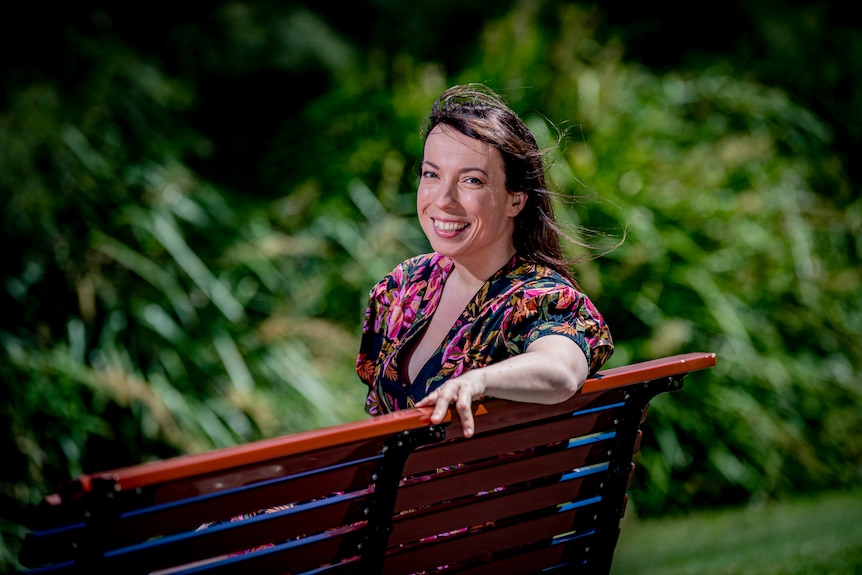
(539, 488)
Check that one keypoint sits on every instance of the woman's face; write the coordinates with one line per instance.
(463, 205)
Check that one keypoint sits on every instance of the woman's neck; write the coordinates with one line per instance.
(473, 275)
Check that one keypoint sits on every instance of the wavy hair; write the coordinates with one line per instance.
(479, 113)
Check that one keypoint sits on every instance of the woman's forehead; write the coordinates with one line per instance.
(447, 144)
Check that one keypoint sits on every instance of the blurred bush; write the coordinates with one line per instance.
(741, 237)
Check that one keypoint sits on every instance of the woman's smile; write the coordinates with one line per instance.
(448, 227)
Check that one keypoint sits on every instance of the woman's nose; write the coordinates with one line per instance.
(446, 194)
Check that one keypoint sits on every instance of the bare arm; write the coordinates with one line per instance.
(551, 370)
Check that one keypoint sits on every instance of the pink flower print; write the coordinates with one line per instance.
(458, 345)
(403, 310)
(568, 299)
(534, 293)
(395, 320)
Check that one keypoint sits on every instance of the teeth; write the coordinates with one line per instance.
(449, 226)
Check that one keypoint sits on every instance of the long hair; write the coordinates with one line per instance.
(477, 112)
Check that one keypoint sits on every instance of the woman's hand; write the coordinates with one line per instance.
(461, 392)
(551, 370)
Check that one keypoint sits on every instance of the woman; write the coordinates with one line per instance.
(494, 310)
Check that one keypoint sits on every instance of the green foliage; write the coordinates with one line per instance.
(149, 311)
(195, 217)
(723, 189)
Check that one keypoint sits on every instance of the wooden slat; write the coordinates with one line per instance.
(293, 556)
(649, 370)
(488, 443)
(495, 413)
(532, 560)
(269, 469)
(480, 509)
(188, 515)
(497, 473)
(345, 478)
(495, 539)
(215, 465)
(232, 537)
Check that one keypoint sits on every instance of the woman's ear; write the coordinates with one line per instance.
(519, 200)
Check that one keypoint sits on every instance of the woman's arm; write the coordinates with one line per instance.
(551, 370)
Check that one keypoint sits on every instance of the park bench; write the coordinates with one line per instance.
(538, 488)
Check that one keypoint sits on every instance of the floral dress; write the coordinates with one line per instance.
(520, 303)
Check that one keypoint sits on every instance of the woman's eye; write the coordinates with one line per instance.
(427, 174)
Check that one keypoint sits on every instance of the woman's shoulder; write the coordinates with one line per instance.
(536, 276)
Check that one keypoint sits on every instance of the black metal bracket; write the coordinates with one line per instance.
(385, 479)
(637, 399)
(620, 454)
(100, 509)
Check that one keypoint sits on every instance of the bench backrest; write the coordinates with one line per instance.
(539, 488)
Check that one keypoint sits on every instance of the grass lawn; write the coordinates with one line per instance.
(820, 536)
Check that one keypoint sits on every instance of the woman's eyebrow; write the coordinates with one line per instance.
(460, 171)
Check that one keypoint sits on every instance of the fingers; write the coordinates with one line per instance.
(441, 407)
(464, 405)
(451, 393)
(439, 401)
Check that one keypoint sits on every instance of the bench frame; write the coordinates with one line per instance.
(120, 520)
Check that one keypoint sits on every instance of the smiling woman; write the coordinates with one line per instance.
(494, 310)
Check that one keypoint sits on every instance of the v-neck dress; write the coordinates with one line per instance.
(520, 303)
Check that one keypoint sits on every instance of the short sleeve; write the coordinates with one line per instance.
(560, 310)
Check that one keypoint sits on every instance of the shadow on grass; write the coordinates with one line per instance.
(821, 536)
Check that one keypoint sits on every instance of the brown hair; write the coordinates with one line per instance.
(479, 113)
